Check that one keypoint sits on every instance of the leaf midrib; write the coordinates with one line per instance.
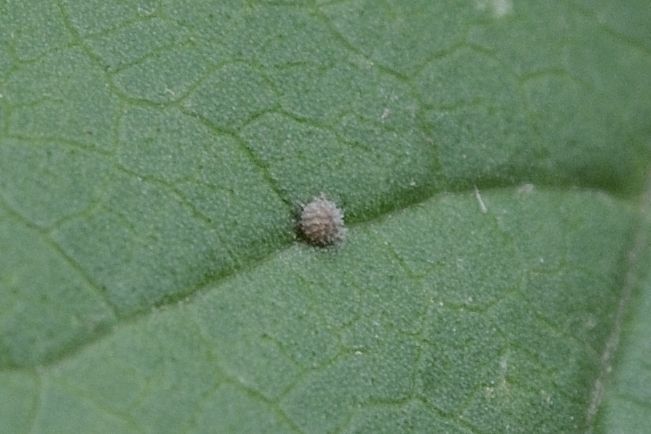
(215, 281)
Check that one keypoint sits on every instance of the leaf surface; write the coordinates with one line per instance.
(490, 156)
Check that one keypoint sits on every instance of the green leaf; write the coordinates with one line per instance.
(625, 391)
(490, 156)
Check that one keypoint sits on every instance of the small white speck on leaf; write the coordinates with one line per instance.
(498, 8)
(526, 188)
(482, 205)
(321, 222)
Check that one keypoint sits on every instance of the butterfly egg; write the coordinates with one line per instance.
(322, 222)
